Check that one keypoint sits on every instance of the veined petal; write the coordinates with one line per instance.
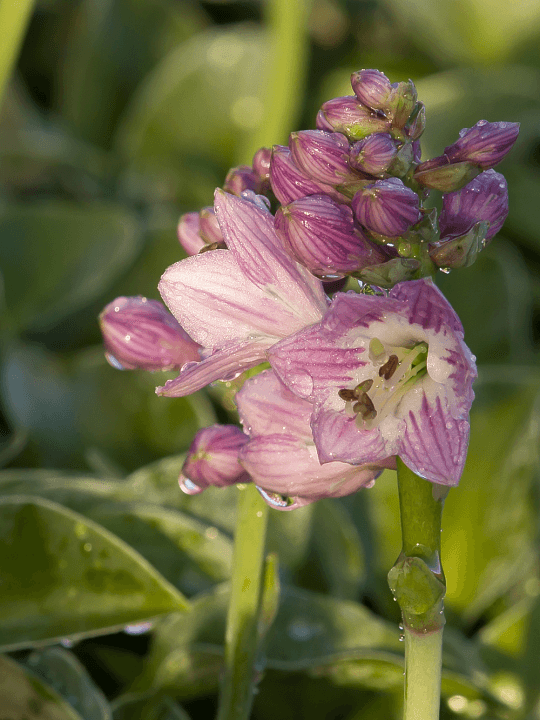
(427, 306)
(212, 300)
(250, 235)
(286, 465)
(224, 364)
(434, 444)
(311, 361)
(338, 437)
(267, 407)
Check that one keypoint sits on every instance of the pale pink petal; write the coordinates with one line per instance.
(224, 364)
(427, 306)
(286, 465)
(338, 437)
(434, 444)
(266, 407)
(212, 300)
(249, 234)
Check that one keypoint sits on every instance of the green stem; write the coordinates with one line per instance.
(417, 582)
(14, 18)
(242, 636)
(285, 21)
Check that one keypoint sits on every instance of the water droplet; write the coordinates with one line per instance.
(302, 630)
(66, 642)
(445, 270)
(127, 338)
(275, 499)
(114, 362)
(401, 638)
(87, 547)
(188, 486)
(138, 629)
(211, 533)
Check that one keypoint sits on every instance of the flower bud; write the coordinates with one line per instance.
(389, 273)
(485, 198)
(261, 163)
(322, 156)
(402, 102)
(212, 459)
(440, 174)
(241, 178)
(141, 333)
(347, 115)
(462, 251)
(374, 154)
(209, 226)
(321, 234)
(188, 233)
(372, 88)
(290, 183)
(416, 124)
(387, 207)
(484, 145)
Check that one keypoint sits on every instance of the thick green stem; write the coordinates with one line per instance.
(242, 636)
(14, 18)
(417, 582)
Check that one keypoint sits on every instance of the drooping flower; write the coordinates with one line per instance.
(212, 459)
(387, 375)
(238, 302)
(141, 333)
(280, 455)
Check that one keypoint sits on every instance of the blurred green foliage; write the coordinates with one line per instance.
(122, 115)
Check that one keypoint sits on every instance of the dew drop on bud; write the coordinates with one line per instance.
(275, 499)
(114, 362)
(188, 486)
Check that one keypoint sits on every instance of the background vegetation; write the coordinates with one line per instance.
(122, 115)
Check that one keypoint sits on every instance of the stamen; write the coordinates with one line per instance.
(213, 246)
(376, 349)
(347, 395)
(365, 407)
(389, 368)
(363, 387)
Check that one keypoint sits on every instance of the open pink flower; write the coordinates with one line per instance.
(281, 457)
(387, 375)
(237, 303)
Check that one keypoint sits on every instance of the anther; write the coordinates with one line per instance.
(365, 407)
(389, 368)
(347, 395)
(213, 246)
(364, 387)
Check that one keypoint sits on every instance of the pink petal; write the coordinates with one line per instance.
(266, 407)
(224, 364)
(434, 444)
(250, 235)
(212, 300)
(426, 305)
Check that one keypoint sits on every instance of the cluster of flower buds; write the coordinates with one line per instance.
(355, 380)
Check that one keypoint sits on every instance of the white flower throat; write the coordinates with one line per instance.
(398, 369)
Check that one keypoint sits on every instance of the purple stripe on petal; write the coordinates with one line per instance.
(224, 364)
(434, 444)
(427, 306)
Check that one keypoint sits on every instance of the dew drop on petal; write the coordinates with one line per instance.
(114, 362)
(188, 486)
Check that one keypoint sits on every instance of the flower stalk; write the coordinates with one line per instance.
(242, 637)
(417, 582)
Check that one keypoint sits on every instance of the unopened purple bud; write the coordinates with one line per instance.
(347, 115)
(261, 163)
(209, 226)
(142, 333)
(321, 123)
(212, 459)
(388, 207)
(241, 178)
(321, 234)
(188, 233)
(485, 144)
(322, 156)
(374, 154)
(372, 88)
(485, 198)
(440, 174)
(290, 183)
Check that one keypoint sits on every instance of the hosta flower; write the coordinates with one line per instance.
(281, 457)
(290, 183)
(322, 156)
(374, 154)
(141, 333)
(212, 459)
(238, 302)
(189, 237)
(387, 207)
(485, 144)
(387, 375)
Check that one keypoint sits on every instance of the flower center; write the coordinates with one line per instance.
(399, 368)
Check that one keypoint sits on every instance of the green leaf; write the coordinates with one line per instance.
(66, 576)
(196, 108)
(130, 707)
(65, 674)
(24, 696)
(57, 257)
(110, 48)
